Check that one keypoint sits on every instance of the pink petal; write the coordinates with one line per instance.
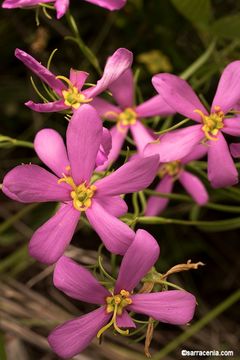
(133, 176)
(51, 149)
(49, 242)
(125, 321)
(156, 204)
(61, 6)
(78, 283)
(221, 168)
(232, 126)
(31, 183)
(197, 152)
(153, 107)
(123, 89)
(173, 307)
(105, 147)
(114, 205)
(78, 78)
(116, 65)
(84, 135)
(138, 260)
(179, 95)
(118, 138)
(105, 108)
(176, 144)
(227, 94)
(116, 235)
(74, 336)
(235, 150)
(54, 106)
(10, 4)
(109, 4)
(43, 73)
(194, 187)
(142, 136)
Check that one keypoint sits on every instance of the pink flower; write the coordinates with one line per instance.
(173, 307)
(73, 188)
(127, 115)
(62, 6)
(69, 94)
(172, 171)
(177, 144)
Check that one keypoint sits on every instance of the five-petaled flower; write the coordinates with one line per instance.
(173, 307)
(62, 6)
(72, 186)
(177, 144)
(68, 92)
(127, 115)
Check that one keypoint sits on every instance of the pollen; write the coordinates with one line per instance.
(124, 119)
(172, 168)
(120, 301)
(212, 123)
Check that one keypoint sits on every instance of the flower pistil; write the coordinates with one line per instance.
(125, 118)
(172, 168)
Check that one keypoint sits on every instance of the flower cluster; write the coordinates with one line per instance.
(83, 184)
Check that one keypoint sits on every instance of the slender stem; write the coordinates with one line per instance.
(172, 127)
(192, 330)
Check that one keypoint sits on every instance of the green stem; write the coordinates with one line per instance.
(10, 221)
(172, 127)
(192, 330)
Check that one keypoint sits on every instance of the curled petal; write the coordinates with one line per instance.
(105, 147)
(179, 95)
(116, 235)
(77, 282)
(43, 73)
(31, 183)
(156, 204)
(54, 106)
(51, 149)
(221, 168)
(138, 260)
(49, 241)
(173, 307)
(72, 337)
(194, 187)
(78, 78)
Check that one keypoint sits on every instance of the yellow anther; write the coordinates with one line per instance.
(117, 300)
(74, 98)
(124, 293)
(172, 168)
(124, 119)
(212, 123)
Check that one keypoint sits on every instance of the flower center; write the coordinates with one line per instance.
(81, 194)
(115, 304)
(172, 168)
(212, 123)
(124, 119)
(72, 97)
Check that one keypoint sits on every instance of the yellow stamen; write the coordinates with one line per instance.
(124, 119)
(172, 168)
(212, 123)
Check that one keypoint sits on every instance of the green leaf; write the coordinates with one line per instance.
(227, 27)
(196, 11)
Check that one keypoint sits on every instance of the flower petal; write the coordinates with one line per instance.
(49, 242)
(156, 204)
(54, 106)
(109, 4)
(176, 144)
(72, 337)
(51, 149)
(11, 4)
(133, 176)
(138, 260)
(105, 109)
(194, 187)
(43, 73)
(142, 136)
(61, 6)
(196, 153)
(123, 90)
(84, 135)
(116, 65)
(221, 168)
(153, 107)
(232, 126)
(125, 321)
(179, 95)
(31, 183)
(105, 147)
(77, 282)
(78, 78)
(174, 307)
(116, 235)
(227, 94)
(235, 150)
(114, 205)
